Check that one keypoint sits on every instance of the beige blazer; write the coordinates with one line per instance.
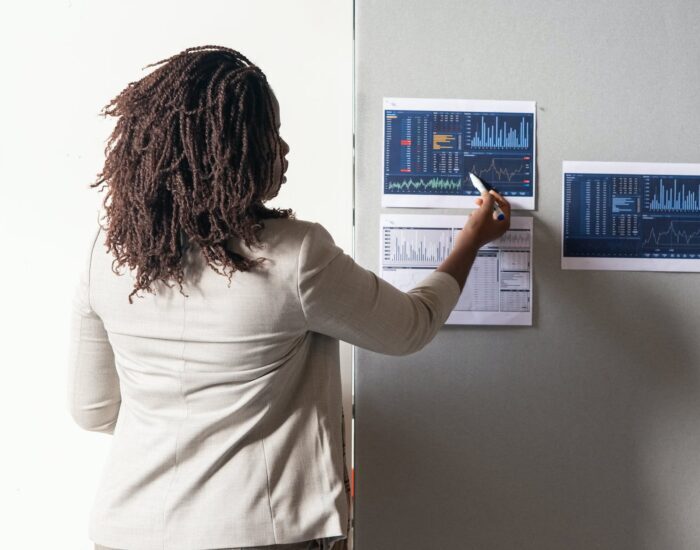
(226, 405)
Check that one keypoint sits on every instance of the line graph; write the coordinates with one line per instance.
(497, 170)
(425, 185)
(674, 235)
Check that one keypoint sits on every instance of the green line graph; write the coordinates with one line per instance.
(427, 186)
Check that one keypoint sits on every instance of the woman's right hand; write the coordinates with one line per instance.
(482, 225)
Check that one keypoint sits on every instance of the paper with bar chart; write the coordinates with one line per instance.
(631, 216)
(431, 145)
(499, 287)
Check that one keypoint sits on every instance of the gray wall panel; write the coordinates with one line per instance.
(582, 431)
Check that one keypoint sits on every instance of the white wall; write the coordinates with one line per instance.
(61, 62)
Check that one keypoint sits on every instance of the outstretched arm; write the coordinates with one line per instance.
(342, 299)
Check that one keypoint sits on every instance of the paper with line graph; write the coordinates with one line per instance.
(636, 216)
(431, 145)
(499, 287)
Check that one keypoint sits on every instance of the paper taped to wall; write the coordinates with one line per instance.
(431, 145)
(498, 290)
(631, 216)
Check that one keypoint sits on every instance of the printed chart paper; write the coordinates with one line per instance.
(631, 216)
(499, 287)
(431, 145)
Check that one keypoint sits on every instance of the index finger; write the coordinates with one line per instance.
(487, 200)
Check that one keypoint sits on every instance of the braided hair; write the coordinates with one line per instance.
(191, 160)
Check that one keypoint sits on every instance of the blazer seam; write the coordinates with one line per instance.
(298, 267)
(269, 492)
(324, 443)
(180, 423)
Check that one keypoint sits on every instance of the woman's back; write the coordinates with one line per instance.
(229, 430)
(225, 400)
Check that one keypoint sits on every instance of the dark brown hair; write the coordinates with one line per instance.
(191, 160)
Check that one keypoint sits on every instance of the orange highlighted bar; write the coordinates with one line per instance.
(443, 141)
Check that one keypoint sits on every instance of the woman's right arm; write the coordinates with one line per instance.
(343, 300)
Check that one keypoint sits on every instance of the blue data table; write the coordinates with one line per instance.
(632, 216)
(432, 152)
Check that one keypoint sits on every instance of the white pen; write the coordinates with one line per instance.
(476, 182)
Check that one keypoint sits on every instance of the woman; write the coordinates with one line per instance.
(224, 394)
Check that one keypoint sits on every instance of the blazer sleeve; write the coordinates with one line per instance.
(93, 396)
(343, 300)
